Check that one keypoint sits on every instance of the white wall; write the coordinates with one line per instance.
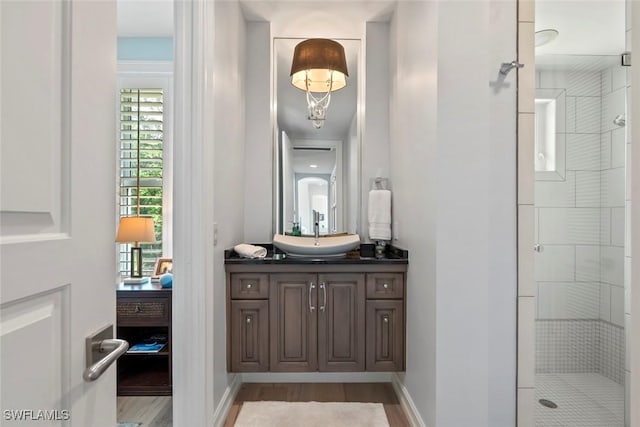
(258, 163)
(453, 172)
(229, 119)
(375, 138)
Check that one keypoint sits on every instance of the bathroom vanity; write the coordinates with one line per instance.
(327, 315)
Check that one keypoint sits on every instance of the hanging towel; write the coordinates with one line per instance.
(379, 215)
(246, 250)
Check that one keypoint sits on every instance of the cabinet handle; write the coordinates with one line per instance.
(311, 288)
(386, 319)
(386, 286)
(323, 286)
(138, 308)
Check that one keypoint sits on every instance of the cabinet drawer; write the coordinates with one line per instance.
(142, 311)
(385, 285)
(250, 286)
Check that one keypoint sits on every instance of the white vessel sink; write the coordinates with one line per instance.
(326, 246)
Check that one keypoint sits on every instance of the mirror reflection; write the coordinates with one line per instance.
(317, 169)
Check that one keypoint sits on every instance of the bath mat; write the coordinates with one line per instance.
(311, 414)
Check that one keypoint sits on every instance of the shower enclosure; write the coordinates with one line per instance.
(581, 202)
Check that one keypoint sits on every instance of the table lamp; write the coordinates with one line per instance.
(134, 230)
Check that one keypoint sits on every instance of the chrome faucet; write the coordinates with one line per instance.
(316, 225)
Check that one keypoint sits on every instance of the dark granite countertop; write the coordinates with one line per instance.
(393, 255)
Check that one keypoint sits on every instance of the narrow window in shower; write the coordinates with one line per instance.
(581, 203)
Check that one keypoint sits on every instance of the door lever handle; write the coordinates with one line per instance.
(101, 351)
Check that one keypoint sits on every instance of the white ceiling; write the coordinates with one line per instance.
(586, 27)
(145, 18)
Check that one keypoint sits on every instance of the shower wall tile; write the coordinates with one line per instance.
(587, 263)
(588, 114)
(583, 151)
(526, 341)
(618, 78)
(588, 189)
(627, 185)
(613, 104)
(627, 233)
(605, 302)
(605, 226)
(611, 351)
(612, 265)
(572, 346)
(617, 227)
(627, 339)
(570, 102)
(526, 135)
(565, 346)
(555, 264)
(569, 226)
(556, 193)
(568, 300)
(627, 285)
(612, 188)
(605, 150)
(618, 147)
(617, 305)
(526, 240)
(605, 81)
(526, 75)
(526, 407)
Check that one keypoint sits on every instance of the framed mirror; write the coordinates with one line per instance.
(316, 168)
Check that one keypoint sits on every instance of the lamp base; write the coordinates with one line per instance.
(135, 280)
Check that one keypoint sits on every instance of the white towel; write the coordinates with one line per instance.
(246, 250)
(379, 214)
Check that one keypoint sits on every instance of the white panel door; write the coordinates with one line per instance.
(57, 205)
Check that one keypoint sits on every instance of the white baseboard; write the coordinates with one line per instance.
(406, 402)
(220, 415)
(316, 377)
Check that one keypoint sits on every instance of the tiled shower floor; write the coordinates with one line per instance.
(584, 400)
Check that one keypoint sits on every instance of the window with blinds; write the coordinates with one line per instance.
(141, 149)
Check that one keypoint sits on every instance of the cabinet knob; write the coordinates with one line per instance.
(249, 285)
(138, 308)
(385, 319)
(386, 286)
(248, 319)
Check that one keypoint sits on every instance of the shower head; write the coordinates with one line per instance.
(619, 120)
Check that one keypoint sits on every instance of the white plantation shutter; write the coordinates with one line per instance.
(141, 123)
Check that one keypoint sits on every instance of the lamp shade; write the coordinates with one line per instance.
(322, 62)
(135, 229)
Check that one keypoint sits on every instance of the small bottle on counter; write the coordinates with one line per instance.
(380, 248)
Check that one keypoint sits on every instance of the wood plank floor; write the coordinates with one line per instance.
(149, 411)
(321, 392)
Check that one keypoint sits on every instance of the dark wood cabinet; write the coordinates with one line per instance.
(294, 320)
(385, 335)
(341, 322)
(250, 335)
(143, 314)
(315, 318)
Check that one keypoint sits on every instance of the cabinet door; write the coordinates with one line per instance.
(385, 335)
(293, 322)
(341, 317)
(250, 336)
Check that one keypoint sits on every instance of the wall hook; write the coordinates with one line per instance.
(508, 66)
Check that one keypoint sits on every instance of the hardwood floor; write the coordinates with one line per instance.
(149, 411)
(321, 392)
